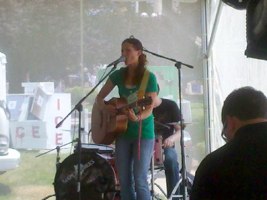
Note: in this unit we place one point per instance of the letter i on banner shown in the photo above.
(58, 104)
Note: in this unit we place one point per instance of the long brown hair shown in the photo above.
(142, 61)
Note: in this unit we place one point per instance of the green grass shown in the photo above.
(33, 179)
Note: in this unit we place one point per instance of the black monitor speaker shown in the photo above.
(257, 29)
(237, 4)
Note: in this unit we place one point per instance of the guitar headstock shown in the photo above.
(144, 102)
(141, 103)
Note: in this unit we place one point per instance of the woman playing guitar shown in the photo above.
(133, 148)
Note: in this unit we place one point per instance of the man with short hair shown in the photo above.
(166, 117)
(237, 170)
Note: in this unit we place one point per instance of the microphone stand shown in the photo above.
(79, 108)
(178, 65)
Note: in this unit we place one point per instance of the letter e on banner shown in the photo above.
(36, 132)
(58, 139)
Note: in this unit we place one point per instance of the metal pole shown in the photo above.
(207, 78)
(214, 29)
(81, 43)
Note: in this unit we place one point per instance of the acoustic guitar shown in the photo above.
(105, 127)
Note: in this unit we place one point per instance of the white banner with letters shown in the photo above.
(42, 134)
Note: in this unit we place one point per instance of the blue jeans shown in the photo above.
(171, 166)
(133, 172)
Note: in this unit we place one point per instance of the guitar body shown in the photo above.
(105, 128)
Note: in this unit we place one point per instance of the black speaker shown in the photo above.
(237, 4)
(257, 29)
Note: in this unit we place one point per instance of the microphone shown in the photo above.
(120, 59)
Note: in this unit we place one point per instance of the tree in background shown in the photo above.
(41, 38)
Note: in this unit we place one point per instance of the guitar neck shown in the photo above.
(140, 102)
(128, 106)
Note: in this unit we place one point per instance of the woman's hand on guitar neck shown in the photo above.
(132, 116)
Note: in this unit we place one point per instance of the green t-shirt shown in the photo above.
(131, 95)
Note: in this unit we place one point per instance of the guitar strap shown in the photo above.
(140, 95)
(142, 89)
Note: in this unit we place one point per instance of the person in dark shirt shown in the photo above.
(166, 118)
(237, 170)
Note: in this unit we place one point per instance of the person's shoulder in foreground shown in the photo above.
(237, 170)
